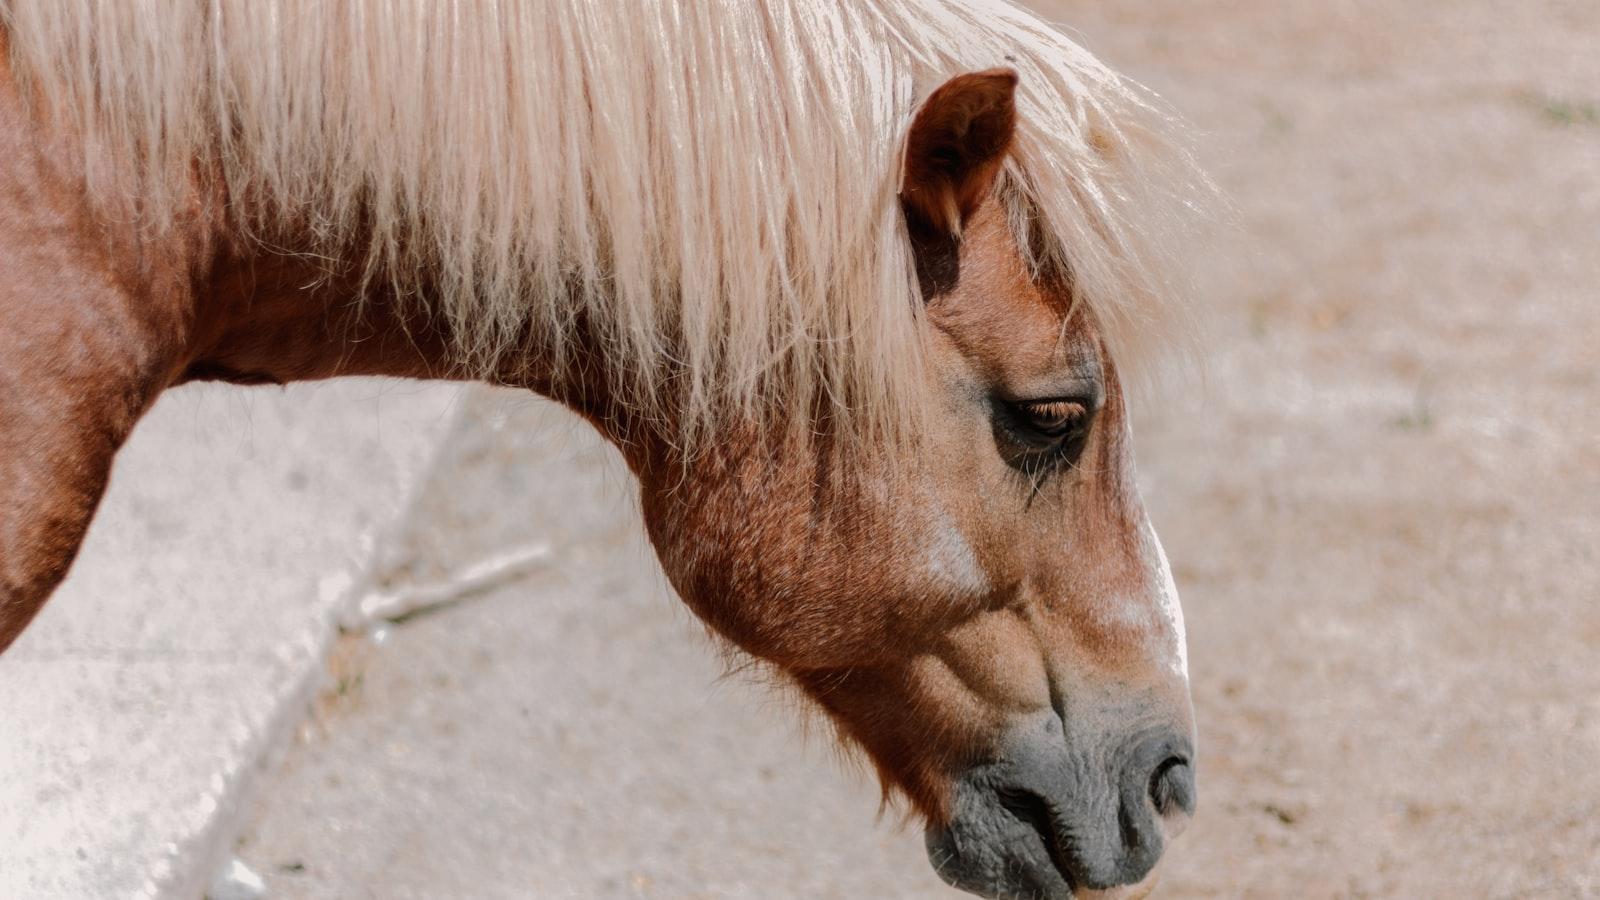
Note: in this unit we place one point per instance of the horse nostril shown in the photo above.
(1172, 786)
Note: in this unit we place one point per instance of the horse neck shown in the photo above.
(274, 317)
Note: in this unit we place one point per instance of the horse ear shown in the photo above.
(955, 147)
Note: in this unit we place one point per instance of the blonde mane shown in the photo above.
(709, 187)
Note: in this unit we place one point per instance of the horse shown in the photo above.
(857, 290)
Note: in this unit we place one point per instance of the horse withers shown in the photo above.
(849, 302)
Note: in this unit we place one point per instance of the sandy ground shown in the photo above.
(1380, 504)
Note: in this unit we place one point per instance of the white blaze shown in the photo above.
(1167, 600)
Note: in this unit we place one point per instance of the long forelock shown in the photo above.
(710, 187)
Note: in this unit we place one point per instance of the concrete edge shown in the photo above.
(211, 851)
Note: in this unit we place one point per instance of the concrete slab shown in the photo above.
(193, 626)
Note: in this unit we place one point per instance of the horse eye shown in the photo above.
(1055, 418)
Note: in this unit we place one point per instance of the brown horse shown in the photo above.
(849, 314)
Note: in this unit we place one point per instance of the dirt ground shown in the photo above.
(1380, 503)
(1383, 507)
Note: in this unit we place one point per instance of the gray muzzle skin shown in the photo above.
(1047, 818)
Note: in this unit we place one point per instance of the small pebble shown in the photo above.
(236, 881)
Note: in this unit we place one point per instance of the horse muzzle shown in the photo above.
(1046, 820)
